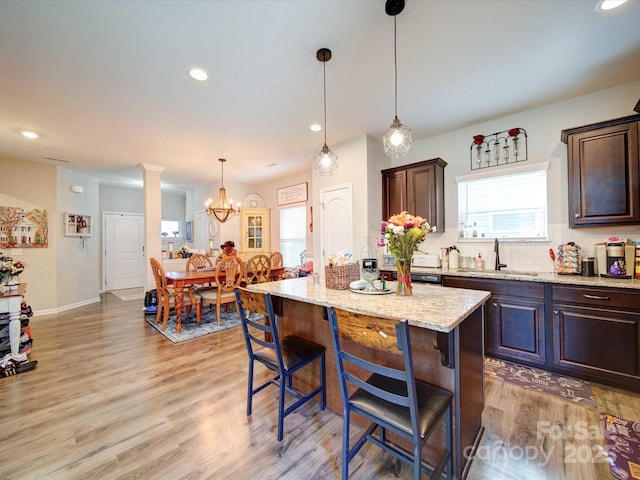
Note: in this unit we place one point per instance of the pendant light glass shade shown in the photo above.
(397, 138)
(223, 209)
(326, 161)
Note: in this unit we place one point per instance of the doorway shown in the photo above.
(336, 221)
(124, 255)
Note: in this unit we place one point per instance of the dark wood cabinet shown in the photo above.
(417, 188)
(603, 168)
(586, 332)
(515, 318)
(596, 334)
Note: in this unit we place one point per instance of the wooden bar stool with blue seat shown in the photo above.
(283, 356)
(391, 398)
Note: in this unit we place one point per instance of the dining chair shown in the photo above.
(199, 261)
(277, 261)
(390, 398)
(228, 275)
(258, 269)
(166, 294)
(283, 356)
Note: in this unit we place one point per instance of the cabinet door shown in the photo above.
(255, 230)
(600, 342)
(421, 192)
(394, 193)
(603, 176)
(515, 329)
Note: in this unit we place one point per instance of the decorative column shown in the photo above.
(152, 217)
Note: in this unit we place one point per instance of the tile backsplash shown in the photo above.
(530, 256)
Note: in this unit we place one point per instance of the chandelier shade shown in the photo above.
(223, 209)
(397, 138)
(326, 161)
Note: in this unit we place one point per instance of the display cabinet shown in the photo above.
(255, 232)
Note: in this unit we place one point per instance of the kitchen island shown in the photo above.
(446, 336)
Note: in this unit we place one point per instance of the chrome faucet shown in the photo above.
(496, 249)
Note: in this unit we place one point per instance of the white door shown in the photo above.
(336, 221)
(124, 258)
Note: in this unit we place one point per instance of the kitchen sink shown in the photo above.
(518, 272)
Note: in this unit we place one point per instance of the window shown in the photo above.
(510, 205)
(293, 234)
(170, 228)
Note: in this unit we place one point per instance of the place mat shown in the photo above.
(191, 329)
(567, 388)
(622, 444)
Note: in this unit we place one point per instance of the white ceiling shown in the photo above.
(105, 82)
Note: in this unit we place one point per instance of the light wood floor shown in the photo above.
(111, 398)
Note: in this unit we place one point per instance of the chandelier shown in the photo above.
(223, 209)
(397, 138)
(326, 161)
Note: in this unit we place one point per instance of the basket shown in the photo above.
(339, 277)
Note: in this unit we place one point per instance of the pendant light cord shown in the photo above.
(395, 64)
(324, 76)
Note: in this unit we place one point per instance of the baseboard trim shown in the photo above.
(52, 311)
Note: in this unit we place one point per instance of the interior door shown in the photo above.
(336, 221)
(124, 258)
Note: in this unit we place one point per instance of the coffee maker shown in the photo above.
(615, 258)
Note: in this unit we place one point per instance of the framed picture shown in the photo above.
(293, 194)
(188, 231)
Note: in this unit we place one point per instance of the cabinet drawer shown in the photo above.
(512, 288)
(627, 299)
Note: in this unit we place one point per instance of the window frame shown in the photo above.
(285, 254)
(462, 215)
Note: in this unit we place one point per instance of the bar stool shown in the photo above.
(392, 399)
(282, 357)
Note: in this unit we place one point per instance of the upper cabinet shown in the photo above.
(604, 163)
(255, 232)
(417, 188)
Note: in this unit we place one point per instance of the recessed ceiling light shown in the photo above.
(315, 127)
(198, 74)
(604, 5)
(28, 134)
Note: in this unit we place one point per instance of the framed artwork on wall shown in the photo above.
(22, 228)
(188, 231)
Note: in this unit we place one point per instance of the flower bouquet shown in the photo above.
(402, 234)
(9, 268)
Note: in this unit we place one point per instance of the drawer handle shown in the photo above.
(595, 297)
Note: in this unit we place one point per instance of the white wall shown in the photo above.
(543, 126)
(77, 258)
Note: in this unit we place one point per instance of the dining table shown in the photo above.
(183, 280)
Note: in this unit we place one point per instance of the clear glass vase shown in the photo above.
(403, 285)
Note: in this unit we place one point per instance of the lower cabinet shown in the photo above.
(515, 318)
(596, 334)
(515, 329)
(585, 332)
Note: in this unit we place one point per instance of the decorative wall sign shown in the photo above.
(500, 148)
(20, 228)
(292, 194)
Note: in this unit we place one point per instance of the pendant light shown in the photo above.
(223, 209)
(397, 138)
(326, 161)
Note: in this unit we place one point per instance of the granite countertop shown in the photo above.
(431, 306)
(543, 277)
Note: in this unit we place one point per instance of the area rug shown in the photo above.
(567, 388)
(191, 329)
(129, 293)
(622, 444)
